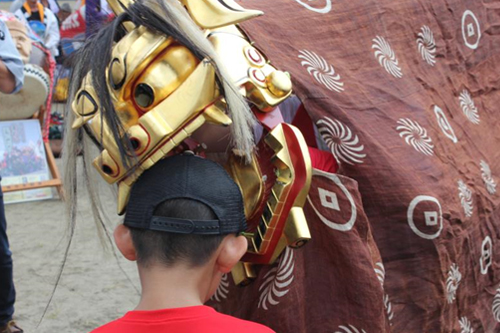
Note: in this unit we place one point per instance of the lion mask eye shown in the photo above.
(144, 95)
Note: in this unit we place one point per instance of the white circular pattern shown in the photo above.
(444, 124)
(380, 271)
(452, 282)
(468, 107)
(349, 329)
(496, 306)
(348, 225)
(342, 142)
(321, 70)
(427, 45)
(223, 289)
(415, 136)
(254, 56)
(491, 185)
(325, 6)
(386, 56)
(465, 325)
(277, 281)
(465, 195)
(433, 217)
(469, 31)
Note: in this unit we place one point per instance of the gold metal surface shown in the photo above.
(168, 72)
(157, 131)
(262, 84)
(248, 176)
(118, 6)
(279, 83)
(243, 274)
(210, 14)
(296, 230)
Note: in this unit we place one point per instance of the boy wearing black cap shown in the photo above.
(182, 225)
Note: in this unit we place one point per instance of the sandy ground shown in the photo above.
(94, 288)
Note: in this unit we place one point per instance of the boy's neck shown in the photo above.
(174, 287)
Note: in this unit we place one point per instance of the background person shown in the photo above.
(11, 80)
(19, 33)
(64, 12)
(43, 22)
(53, 5)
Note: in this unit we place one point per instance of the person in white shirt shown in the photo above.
(53, 5)
(43, 22)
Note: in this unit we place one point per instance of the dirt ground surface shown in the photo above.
(95, 287)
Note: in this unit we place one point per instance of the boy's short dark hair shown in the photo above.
(181, 209)
(169, 248)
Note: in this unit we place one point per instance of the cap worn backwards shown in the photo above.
(186, 177)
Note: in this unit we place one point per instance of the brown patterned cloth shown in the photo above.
(406, 96)
(323, 285)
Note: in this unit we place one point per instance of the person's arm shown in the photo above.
(7, 79)
(15, 5)
(54, 6)
(11, 65)
(52, 35)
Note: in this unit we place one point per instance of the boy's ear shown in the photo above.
(232, 249)
(123, 240)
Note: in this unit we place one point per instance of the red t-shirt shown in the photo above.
(193, 319)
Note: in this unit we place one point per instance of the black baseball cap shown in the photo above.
(186, 176)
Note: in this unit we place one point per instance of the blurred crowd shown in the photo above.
(54, 27)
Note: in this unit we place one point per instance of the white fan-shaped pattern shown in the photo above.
(491, 184)
(223, 289)
(465, 325)
(386, 57)
(321, 70)
(496, 306)
(349, 329)
(345, 145)
(380, 272)
(415, 136)
(468, 107)
(388, 308)
(277, 281)
(465, 196)
(427, 45)
(452, 282)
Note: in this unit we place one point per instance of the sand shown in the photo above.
(93, 289)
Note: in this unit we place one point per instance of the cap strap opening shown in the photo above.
(185, 226)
